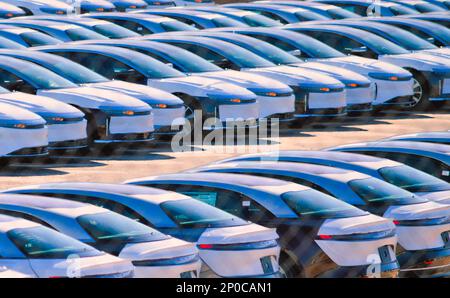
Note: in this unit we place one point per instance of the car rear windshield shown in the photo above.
(113, 226)
(34, 39)
(377, 191)
(227, 22)
(83, 34)
(114, 31)
(314, 203)
(412, 180)
(44, 243)
(190, 213)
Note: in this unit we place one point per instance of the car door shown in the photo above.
(13, 83)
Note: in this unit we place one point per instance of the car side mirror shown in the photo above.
(431, 40)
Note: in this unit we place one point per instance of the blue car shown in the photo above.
(142, 24)
(441, 3)
(391, 92)
(316, 94)
(421, 6)
(86, 6)
(398, 174)
(433, 159)
(432, 32)
(327, 10)
(431, 73)
(26, 37)
(248, 17)
(411, 214)
(102, 27)
(197, 19)
(441, 19)
(128, 5)
(63, 32)
(10, 11)
(301, 216)
(369, 8)
(228, 246)
(280, 13)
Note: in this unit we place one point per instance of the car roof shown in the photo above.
(134, 16)
(42, 24)
(333, 28)
(402, 144)
(272, 7)
(205, 41)
(188, 13)
(13, 63)
(428, 134)
(225, 34)
(288, 34)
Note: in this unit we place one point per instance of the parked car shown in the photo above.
(10, 11)
(27, 37)
(193, 2)
(360, 92)
(142, 24)
(86, 6)
(159, 3)
(276, 100)
(441, 19)
(153, 254)
(248, 17)
(38, 251)
(167, 109)
(196, 19)
(283, 14)
(364, 8)
(63, 32)
(429, 71)
(38, 7)
(315, 238)
(66, 125)
(228, 246)
(421, 6)
(441, 3)
(112, 117)
(316, 94)
(393, 84)
(215, 98)
(327, 10)
(433, 159)
(102, 27)
(22, 133)
(128, 5)
(422, 226)
(398, 174)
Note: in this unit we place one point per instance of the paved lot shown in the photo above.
(144, 162)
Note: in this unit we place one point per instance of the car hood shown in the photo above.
(355, 225)
(147, 94)
(418, 60)
(94, 98)
(163, 249)
(302, 77)
(41, 105)
(442, 197)
(369, 65)
(248, 80)
(237, 234)
(426, 210)
(340, 73)
(204, 86)
(14, 114)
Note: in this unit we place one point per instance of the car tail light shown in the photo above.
(205, 246)
(325, 237)
(424, 222)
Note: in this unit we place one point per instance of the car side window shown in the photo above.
(422, 35)
(187, 21)
(209, 55)
(360, 10)
(12, 82)
(27, 217)
(282, 45)
(133, 26)
(271, 15)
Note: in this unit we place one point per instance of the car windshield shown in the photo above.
(34, 39)
(244, 58)
(83, 34)
(315, 48)
(43, 243)
(226, 22)
(113, 226)
(43, 78)
(269, 52)
(309, 16)
(375, 190)
(153, 68)
(190, 213)
(190, 62)
(339, 13)
(316, 204)
(114, 31)
(256, 20)
(408, 40)
(380, 45)
(412, 180)
(176, 26)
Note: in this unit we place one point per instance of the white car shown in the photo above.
(153, 254)
(228, 246)
(38, 7)
(35, 250)
(22, 133)
(66, 124)
(112, 117)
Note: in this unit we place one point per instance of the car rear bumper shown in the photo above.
(425, 263)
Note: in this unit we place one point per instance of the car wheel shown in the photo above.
(420, 92)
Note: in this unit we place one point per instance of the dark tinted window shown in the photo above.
(133, 26)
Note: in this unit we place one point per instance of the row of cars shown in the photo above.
(105, 78)
(359, 210)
